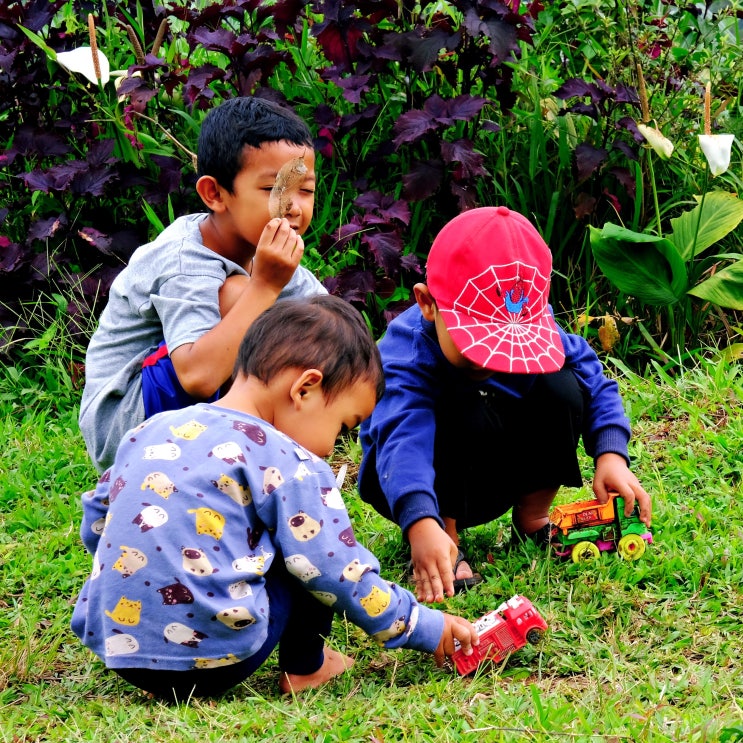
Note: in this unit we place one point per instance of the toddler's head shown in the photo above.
(324, 333)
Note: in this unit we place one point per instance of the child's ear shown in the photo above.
(210, 192)
(307, 384)
(425, 301)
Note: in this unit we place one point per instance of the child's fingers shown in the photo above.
(280, 233)
(428, 586)
(280, 244)
(446, 577)
(432, 570)
(271, 229)
(643, 502)
(466, 633)
(600, 491)
(288, 242)
(298, 249)
(455, 628)
(634, 494)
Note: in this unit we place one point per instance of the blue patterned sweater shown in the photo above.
(185, 526)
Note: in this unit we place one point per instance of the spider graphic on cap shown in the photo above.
(515, 298)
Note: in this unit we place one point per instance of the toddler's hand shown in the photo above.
(455, 628)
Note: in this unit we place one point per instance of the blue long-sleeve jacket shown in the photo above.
(399, 435)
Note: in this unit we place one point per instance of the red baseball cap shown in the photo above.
(489, 272)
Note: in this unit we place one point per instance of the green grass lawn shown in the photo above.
(645, 650)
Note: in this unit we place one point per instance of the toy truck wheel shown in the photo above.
(534, 636)
(631, 547)
(585, 552)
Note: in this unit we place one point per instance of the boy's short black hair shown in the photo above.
(323, 332)
(244, 122)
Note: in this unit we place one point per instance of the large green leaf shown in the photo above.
(645, 266)
(721, 213)
(725, 288)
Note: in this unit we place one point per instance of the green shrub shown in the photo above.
(419, 111)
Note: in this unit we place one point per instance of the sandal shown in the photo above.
(462, 584)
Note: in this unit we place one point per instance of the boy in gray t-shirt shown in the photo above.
(177, 313)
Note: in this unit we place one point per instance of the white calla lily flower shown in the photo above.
(662, 145)
(81, 60)
(717, 148)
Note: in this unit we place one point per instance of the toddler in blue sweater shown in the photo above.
(486, 400)
(219, 532)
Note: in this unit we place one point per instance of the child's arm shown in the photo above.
(203, 366)
(612, 473)
(232, 289)
(398, 438)
(312, 527)
(606, 427)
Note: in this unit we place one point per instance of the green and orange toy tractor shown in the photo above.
(586, 528)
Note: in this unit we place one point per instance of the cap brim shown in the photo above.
(514, 347)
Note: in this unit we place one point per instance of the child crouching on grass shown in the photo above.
(219, 532)
(486, 401)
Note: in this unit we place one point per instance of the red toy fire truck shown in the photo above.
(508, 628)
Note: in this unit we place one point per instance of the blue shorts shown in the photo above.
(161, 389)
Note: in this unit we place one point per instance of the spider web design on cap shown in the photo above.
(501, 320)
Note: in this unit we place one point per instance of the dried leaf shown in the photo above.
(583, 319)
(608, 333)
(288, 180)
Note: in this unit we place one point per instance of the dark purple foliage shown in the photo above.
(606, 155)
(401, 132)
(588, 159)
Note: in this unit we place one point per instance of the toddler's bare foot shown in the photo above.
(334, 664)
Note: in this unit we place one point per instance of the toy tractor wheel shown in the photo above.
(585, 552)
(534, 636)
(631, 547)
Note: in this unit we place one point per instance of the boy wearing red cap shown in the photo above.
(486, 400)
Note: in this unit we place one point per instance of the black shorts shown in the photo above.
(492, 448)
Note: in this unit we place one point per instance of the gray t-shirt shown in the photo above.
(168, 291)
